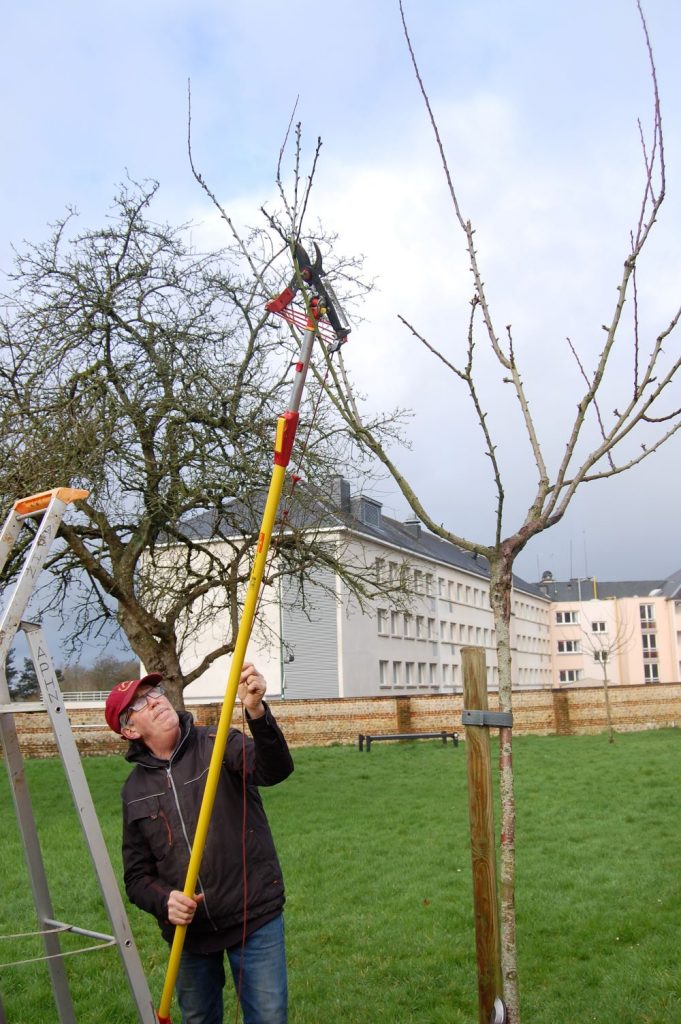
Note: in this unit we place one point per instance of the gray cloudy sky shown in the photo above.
(538, 106)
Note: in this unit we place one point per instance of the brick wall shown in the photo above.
(323, 722)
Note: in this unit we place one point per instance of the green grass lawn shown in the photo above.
(376, 857)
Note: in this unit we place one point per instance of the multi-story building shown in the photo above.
(630, 630)
(406, 643)
(327, 645)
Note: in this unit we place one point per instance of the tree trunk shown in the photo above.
(159, 655)
(501, 584)
(608, 712)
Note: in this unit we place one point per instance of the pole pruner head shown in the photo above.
(312, 274)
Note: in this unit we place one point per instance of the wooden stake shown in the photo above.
(483, 851)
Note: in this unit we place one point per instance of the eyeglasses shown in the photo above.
(139, 703)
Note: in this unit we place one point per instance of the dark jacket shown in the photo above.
(161, 802)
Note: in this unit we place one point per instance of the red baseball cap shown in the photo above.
(123, 695)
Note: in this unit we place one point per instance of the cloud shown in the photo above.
(536, 106)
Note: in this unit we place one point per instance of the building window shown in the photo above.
(431, 629)
(649, 642)
(382, 619)
(563, 618)
(570, 675)
(651, 672)
(433, 673)
(409, 668)
(598, 627)
(429, 585)
(441, 586)
(395, 623)
(647, 612)
(383, 673)
(418, 581)
(423, 679)
(397, 673)
(420, 627)
(568, 646)
(601, 656)
(379, 567)
(408, 625)
(445, 675)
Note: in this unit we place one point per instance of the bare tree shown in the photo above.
(644, 419)
(152, 377)
(603, 648)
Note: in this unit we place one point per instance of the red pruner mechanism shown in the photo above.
(322, 301)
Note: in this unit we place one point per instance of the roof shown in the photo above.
(313, 509)
(672, 586)
(588, 589)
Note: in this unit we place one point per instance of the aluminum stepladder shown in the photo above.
(50, 506)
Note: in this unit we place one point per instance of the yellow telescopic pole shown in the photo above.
(286, 430)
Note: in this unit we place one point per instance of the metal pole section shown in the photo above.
(481, 813)
(286, 429)
(89, 822)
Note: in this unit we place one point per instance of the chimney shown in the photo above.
(546, 580)
(340, 493)
(413, 526)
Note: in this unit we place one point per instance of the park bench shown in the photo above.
(365, 740)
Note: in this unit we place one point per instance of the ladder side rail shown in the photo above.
(33, 855)
(9, 535)
(35, 560)
(94, 838)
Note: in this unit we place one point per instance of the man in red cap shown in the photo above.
(238, 908)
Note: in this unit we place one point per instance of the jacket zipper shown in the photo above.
(171, 784)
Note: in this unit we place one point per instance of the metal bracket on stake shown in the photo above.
(497, 719)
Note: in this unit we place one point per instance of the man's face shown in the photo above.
(155, 722)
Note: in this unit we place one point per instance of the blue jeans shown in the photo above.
(262, 967)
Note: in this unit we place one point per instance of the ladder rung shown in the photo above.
(63, 926)
(18, 707)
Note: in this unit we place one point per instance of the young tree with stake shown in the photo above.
(647, 416)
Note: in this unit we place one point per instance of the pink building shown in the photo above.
(630, 630)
